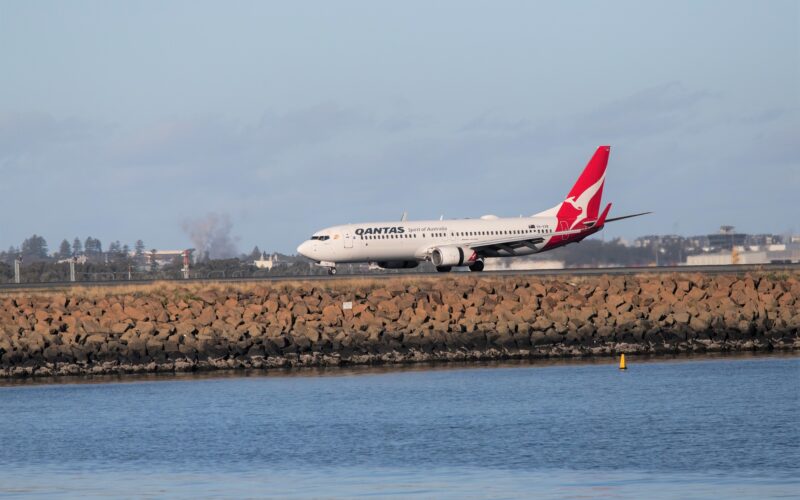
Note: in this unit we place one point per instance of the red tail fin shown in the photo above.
(583, 200)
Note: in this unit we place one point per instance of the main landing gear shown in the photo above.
(477, 266)
(331, 271)
(444, 269)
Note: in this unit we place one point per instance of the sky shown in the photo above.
(126, 120)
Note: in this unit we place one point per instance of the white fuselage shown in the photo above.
(467, 242)
(414, 240)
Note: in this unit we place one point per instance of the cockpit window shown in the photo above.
(321, 238)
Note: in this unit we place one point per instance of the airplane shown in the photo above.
(468, 242)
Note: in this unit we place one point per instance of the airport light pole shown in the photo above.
(186, 264)
(17, 263)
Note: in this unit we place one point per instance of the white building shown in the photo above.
(267, 263)
(520, 264)
(162, 257)
(752, 255)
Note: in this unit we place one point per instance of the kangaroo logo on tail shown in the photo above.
(583, 201)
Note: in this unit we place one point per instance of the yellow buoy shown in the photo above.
(622, 362)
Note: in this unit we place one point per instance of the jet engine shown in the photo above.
(398, 264)
(453, 256)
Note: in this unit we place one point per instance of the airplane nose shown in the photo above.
(304, 249)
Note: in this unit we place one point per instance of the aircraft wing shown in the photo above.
(510, 244)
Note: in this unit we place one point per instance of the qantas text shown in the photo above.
(381, 230)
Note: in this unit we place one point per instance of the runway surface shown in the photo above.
(613, 271)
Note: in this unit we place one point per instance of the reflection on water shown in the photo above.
(687, 427)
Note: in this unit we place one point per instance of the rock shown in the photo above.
(452, 318)
(206, 316)
(614, 301)
(121, 327)
(331, 315)
(389, 310)
(682, 317)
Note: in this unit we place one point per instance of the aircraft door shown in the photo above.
(563, 226)
(348, 240)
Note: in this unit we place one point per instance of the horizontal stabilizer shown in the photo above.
(627, 216)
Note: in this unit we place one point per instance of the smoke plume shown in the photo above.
(211, 236)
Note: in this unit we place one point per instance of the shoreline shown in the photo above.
(389, 368)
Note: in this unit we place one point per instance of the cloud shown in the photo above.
(24, 134)
(285, 174)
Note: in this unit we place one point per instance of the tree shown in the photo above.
(255, 254)
(115, 248)
(153, 263)
(93, 247)
(65, 250)
(34, 248)
(77, 247)
(138, 253)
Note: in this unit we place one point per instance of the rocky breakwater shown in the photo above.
(200, 327)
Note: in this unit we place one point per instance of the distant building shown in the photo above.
(726, 258)
(726, 239)
(520, 264)
(787, 254)
(770, 254)
(267, 263)
(661, 240)
(80, 259)
(162, 257)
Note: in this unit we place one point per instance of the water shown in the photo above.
(724, 428)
